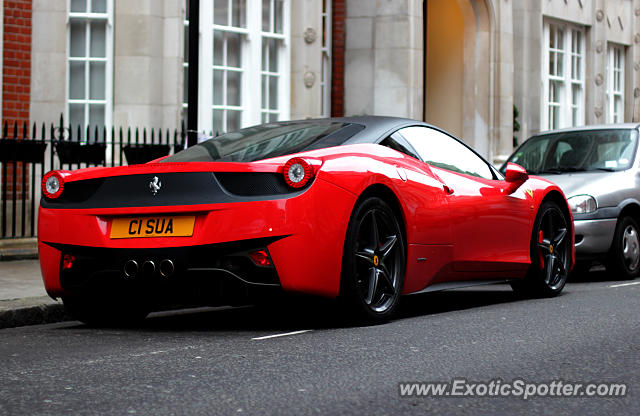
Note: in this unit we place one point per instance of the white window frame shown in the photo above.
(251, 94)
(271, 34)
(614, 93)
(572, 51)
(108, 60)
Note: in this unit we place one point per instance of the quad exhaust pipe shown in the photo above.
(148, 268)
(131, 269)
(166, 268)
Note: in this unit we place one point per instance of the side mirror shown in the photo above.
(515, 176)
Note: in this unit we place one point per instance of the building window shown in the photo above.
(615, 84)
(244, 63)
(229, 39)
(325, 81)
(90, 57)
(563, 76)
(577, 78)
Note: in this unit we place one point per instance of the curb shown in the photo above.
(18, 249)
(31, 311)
(17, 254)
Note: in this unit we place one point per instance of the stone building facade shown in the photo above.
(600, 77)
(124, 62)
(460, 64)
(465, 64)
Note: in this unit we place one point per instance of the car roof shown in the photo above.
(373, 121)
(376, 127)
(621, 126)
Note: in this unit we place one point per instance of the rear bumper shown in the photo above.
(304, 236)
(211, 274)
(594, 237)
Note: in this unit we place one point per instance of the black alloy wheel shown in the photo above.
(550, 253)
(374, 261)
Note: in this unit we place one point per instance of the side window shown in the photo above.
(569, 152)
(532, 156)
(397, 142)
(561, 154)
(443, 151)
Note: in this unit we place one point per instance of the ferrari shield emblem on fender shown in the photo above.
(529, 192)
(155, 185)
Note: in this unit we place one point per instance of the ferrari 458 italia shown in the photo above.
(362, 209)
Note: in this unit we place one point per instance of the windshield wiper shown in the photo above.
(559, 171)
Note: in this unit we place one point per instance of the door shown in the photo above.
(491, 229)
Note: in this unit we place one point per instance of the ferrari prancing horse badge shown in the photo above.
(155, 185)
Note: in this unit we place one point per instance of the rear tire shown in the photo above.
(550, 250)
(624, 257)
(103, 312)
(373, 263)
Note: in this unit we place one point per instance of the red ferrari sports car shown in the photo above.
(362, 209)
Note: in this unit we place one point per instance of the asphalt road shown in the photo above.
(217, 361)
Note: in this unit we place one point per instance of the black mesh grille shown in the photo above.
(254, 184)
(179, 188)
(79, 191)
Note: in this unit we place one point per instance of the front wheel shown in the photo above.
(373, 264)
(550, 253)
(624, 257)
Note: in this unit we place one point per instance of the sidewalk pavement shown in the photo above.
(23, 300)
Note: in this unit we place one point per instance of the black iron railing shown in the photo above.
(26, 156)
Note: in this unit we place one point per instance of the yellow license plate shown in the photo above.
(135, 227)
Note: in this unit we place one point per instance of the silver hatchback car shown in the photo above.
(598, 169)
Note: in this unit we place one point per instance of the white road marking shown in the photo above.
(286, 334)
(626, 284)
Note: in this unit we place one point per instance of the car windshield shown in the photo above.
(577, 151)
(268, 140)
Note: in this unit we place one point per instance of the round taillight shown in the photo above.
(52, 184)
(297, 172)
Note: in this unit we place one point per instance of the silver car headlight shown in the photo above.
(582, 204)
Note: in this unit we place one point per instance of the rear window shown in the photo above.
(268, 140)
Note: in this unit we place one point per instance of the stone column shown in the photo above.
(527, 54)
(632, 92)
(48, 61)
(596, 77)
(503, 68)
(306, 59)
(384, 58)
(148, 43)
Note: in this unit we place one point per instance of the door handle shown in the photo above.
(447, 190)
